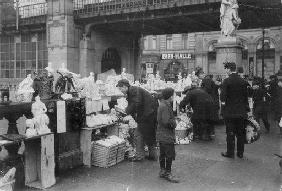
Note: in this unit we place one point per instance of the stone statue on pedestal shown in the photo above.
(40, 118)
(229, 19)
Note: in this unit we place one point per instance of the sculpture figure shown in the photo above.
(25, 89)
(31, 131)
(40, 119)
(229, 19)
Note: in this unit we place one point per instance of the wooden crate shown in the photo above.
(40, 162)
(103, 156)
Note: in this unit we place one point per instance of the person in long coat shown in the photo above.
(235, 106)
(277, 105)
(203, 108)
(143, 108)
(260, 98)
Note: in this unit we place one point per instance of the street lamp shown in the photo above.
(264, 31)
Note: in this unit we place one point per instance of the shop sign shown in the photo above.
(149, 68)
(178, 56)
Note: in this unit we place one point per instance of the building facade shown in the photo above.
(174, 53)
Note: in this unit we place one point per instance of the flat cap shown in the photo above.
(123, 82)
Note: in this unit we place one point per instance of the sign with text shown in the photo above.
(178, 56)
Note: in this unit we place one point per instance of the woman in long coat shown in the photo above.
(204, 111)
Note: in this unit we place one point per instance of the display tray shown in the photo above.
(100, 126)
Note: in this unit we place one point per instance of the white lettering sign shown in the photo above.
(178, 56)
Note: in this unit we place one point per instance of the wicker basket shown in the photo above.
(103, 156)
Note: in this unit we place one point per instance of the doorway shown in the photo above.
(111, 60)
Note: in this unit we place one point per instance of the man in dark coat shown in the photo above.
(278, 103)
(212, 89)
(143, 108)
(260, 97)
(235, 106)
(203, 111)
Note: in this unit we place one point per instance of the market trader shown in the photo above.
(234, 98)
(143, 108)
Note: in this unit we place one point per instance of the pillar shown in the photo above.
(61, 42)
(87, 55)
(228, 49)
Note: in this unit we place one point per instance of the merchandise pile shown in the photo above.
(183, 129)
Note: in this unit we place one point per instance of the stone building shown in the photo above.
(198, 50)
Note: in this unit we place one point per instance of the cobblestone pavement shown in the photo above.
(199, 166)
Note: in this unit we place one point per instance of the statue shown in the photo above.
(40, 119)
(229, 19)
(65, 82)
(31, 131)
(25, 90)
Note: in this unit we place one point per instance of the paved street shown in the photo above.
(199, 166)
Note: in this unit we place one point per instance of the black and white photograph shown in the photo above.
(141, 95)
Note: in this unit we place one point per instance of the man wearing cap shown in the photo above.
(235, 106)
(143, 108)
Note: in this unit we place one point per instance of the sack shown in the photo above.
(252, 129)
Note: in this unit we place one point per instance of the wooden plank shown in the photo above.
(85, 146)
(30, 166)
(47, 161)
(61, 119)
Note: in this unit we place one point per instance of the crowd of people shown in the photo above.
(209, 100)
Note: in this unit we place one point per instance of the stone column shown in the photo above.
(228, 49)
(61, 40)
(87, 56)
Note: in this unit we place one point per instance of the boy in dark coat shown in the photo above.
(166, 135)
(143, 108)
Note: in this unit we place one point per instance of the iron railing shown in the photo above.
(34, 10)
(96, 6)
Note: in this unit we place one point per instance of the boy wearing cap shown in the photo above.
(166, 135)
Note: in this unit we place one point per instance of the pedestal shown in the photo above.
(228, 49)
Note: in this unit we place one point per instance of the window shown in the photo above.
(169, 42)
(269, 58)
(185, 41)
(212, 59)
(146, 45)
(154, 42)
(22, 58)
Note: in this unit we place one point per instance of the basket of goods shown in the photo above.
(108, 152)
(252, 129)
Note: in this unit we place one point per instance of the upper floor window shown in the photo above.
(146, 44)
(169, 42)
(154, 42)
(185, 41)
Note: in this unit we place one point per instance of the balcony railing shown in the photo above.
(96, 6)
(33, 10)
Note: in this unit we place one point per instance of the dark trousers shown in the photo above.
(202, 127)
(235, 128)
(262, 115)
(167, 155)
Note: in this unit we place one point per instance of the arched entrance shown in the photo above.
(172, 71)
(111, 60)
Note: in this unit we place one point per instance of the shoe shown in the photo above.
(225, 154)
(240, 155)
(134, 159)
(171, 178)
(162, 173)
